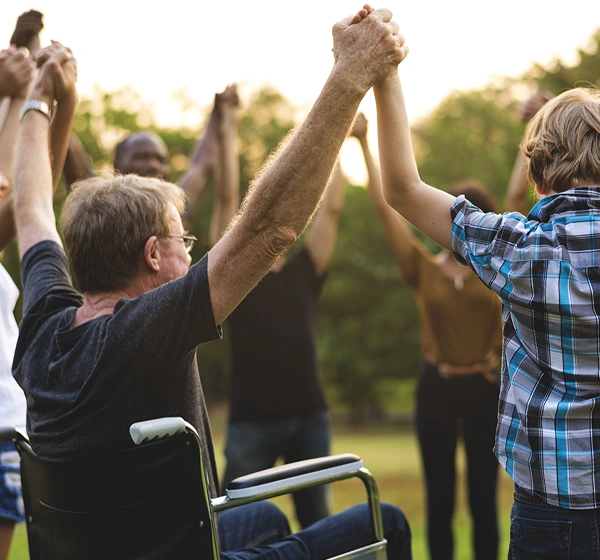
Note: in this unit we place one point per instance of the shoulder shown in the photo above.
(47, 283)
(481, 233)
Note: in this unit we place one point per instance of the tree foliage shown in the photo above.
(471, 135)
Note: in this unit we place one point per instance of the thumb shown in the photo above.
(383, 14)
(347, 21)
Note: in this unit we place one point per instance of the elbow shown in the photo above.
(392, 199)
(396, 198)
(274, 240)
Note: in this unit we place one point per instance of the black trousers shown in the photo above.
(446, 408)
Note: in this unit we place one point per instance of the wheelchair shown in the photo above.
(152, 500)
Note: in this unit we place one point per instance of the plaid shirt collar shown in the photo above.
(579, 199)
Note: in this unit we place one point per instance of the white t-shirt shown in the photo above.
(13, 407)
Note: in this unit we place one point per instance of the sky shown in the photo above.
(160, 48)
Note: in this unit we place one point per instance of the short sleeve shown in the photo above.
(176, 316)
(47, 285)
(484, 241)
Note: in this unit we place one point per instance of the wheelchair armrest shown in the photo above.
(300, 472)
(156, 429)
(8, 433)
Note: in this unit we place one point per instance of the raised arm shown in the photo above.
(282, 200)
(16, 72)
(517, 199)
(33, 172)
(204, 160)
(396, 229)
(425, 207)
(27, 31)
(227, 195)
(322, 233)
(78, 164)
(62, 117)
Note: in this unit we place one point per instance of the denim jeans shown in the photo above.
(11, 496)
(256, 531)
(539, 530)
(255, 446)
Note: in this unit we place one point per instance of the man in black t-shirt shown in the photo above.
(124, 349)
(277, 402)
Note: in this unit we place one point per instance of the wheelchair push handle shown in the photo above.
(156, 429)
(8, 433)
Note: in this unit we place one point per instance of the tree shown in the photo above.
(558, 77)
(470, 135)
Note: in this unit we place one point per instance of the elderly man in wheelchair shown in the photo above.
(120, 462)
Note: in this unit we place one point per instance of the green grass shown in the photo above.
(391, 454)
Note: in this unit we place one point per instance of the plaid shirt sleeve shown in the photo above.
(482, 240)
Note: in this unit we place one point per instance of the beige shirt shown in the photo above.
(461, 319)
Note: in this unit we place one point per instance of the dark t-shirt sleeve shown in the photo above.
(46, 279)
(171, 319)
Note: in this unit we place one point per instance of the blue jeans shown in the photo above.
(539, 530)
(11, 497)
(256, 531)
(255, 446)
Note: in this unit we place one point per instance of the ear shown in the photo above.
(541, 191)
(151, 253)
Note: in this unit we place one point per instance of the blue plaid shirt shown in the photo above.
(546, 270)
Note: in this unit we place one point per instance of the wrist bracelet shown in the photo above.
(35, 105)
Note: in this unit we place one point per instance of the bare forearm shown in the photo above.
(397, 231)
(334, 197)
(60, 134)
(78, 164)
(516, 195)
(374, 179)
(202, 159)
(398, 168)
(228, 196)
(289, 190)
(321, 237)
(8, 138)
(283, 199)
(7, 223)
(427, 208)
(33, 184)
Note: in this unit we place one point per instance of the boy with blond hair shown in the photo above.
(546, 270)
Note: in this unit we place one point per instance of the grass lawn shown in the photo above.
(391, 454)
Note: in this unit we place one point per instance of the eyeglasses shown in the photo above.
(188, 240)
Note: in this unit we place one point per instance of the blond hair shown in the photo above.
(562, 141)
(106, 221)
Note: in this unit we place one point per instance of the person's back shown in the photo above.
(545, 270)
(80, 403)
